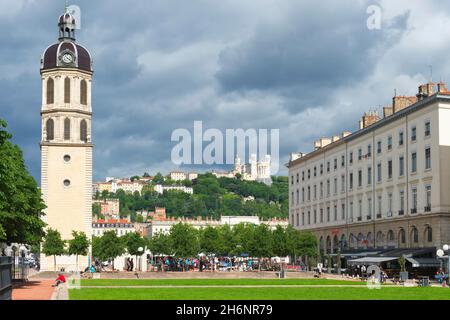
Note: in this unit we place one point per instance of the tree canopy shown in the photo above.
(21, 203)
(244, 239)
(53, 245)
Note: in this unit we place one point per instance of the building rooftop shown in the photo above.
(422, 102)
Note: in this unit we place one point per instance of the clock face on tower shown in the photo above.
(67, 58)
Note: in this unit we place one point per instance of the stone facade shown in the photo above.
(66, 148)
(367, 189)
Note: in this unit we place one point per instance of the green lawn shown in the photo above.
(322, 292)
(213, 282)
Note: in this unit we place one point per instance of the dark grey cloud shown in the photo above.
(297, 66)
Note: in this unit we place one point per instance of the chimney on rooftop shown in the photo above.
(368, 119)
(402, 102)
(322, 142)
(441, 87)
(387, 111)
(425, 90)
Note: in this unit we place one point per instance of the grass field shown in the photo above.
(213, 282)
(225, 289)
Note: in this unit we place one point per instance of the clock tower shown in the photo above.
(66, 147)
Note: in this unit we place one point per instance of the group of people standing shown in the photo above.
(130, 264)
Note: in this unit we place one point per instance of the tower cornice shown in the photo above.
(66, 144)
(65, 70)
(63, 110)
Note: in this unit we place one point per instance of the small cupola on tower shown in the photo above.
(67, 24)
(66, 53)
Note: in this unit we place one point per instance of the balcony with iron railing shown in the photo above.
(401, 212)
(378, 215)
(427, 209)
(413, 210)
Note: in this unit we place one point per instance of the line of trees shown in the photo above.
(244, 239)
(53, 245)
(184, 241)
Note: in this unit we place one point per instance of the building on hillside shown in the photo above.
(109, 207)
(130, 186)
(160, 189)
(223, 174)
(180, 176)
(113, 185)
(159, 213)
(121, 227)
(382, 187)
(253, 171)
(142, 228)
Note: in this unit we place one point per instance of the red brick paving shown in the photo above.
(34, 290)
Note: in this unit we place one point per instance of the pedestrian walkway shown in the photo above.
(33, 290)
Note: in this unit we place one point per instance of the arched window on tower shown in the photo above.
(50, 91)
(67, 90)
(83, 92)
(83, 131)
(50, 129)
(67, 129)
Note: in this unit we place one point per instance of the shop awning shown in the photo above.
(424, 262)
(370, 260)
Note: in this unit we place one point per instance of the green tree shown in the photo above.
(210, 240)
(227, 241)
(53, 245)
(21, 204)
(97, 211)
(79, 244)
(243, 234)
(133, 241)
(183, 240)
(108, 246)
(262, 242)
(159, 244)
(158, 178)
(280, 244)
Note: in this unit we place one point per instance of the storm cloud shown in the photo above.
(309, 69)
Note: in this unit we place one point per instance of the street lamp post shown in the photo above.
(140, 250)
(440, 253)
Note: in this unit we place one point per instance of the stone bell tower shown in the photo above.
(66, 147)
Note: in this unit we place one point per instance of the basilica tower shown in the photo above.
(66, 147)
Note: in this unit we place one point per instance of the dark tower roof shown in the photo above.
(80, 57)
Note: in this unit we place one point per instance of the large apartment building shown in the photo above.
(384, 186)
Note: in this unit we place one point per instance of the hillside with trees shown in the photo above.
(213, 197)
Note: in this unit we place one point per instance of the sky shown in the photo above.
(307, 68)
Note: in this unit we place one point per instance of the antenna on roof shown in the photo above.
(66, 8)
(431, 72)
(395, 92)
